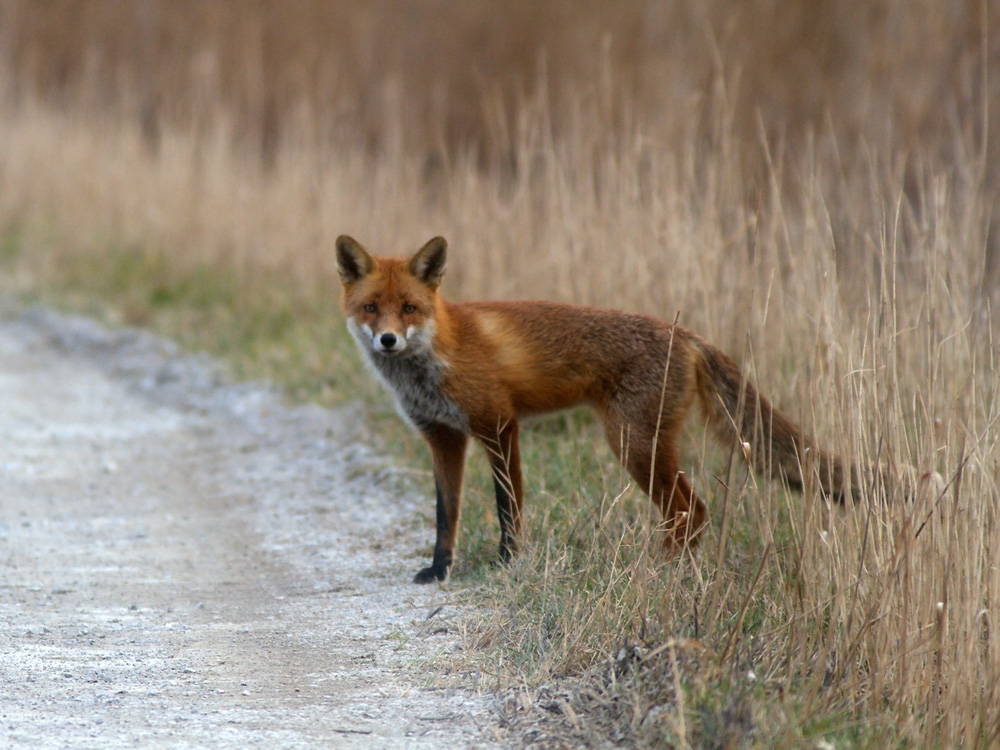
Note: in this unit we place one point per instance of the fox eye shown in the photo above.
(369, 308)
(409, 309)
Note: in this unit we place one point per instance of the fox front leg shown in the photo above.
(505, 462)
(448, 454)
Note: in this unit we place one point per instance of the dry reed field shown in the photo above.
(811, 186)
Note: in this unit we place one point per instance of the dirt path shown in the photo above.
(189, 564)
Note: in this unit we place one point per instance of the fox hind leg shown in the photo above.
(683, 513)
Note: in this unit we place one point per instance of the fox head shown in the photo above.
(389, 303)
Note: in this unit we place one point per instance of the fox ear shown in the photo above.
(429, 262)
(353, 261)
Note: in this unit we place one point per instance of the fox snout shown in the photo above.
(384, 342)
(389, 342)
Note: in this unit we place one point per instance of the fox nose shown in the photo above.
(388, 340)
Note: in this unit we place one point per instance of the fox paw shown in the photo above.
(431, 574)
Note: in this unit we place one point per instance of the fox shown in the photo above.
(473, 370)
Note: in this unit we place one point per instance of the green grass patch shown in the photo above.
(11, 246)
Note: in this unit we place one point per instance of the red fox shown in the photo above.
(474, 369)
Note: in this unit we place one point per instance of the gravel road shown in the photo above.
(187, 563)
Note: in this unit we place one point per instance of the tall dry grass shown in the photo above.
(457, 74)
(812, 187)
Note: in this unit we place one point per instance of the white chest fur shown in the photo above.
(414, 375)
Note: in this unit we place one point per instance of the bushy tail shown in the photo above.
(770, 441)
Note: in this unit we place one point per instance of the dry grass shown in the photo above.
(459, 74)
(819, 204)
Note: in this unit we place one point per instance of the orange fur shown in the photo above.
(475, 369)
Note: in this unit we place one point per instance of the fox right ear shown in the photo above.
(353, 261)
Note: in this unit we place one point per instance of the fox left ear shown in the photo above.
(429, 262)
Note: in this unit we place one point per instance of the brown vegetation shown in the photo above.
(457, 74)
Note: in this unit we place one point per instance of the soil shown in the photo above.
(186, 562)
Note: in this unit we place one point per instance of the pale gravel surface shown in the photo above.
(186, 563)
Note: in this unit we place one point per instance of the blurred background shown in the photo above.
(456, 74)
(717, 158)
(703, 145)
